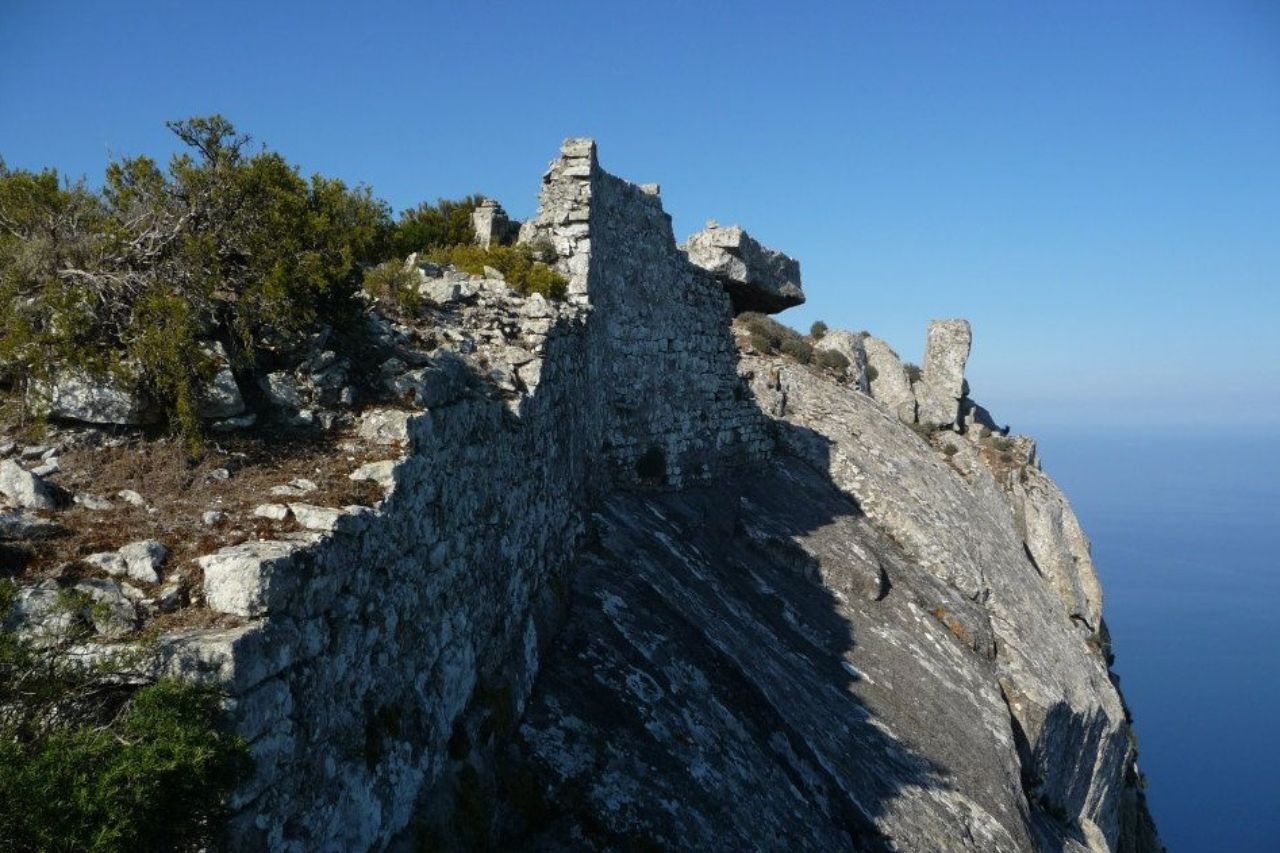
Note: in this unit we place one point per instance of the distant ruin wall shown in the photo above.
(382, 658)
(662, 357)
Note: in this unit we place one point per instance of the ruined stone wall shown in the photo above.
(382, 659)
(662, 360)
(366, 648)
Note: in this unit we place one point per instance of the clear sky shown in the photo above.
(1095, 185)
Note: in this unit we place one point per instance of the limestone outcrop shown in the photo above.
(757, 278)
(852, 347)
(888, 379)
(582, 575)
(941, 386)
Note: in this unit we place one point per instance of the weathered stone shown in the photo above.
(385, 426)
(45, 469)
(250, 579)
(961, 528)
(711, 618)
(17, 524)
(942, 383)
(93, 502)
(131, 497)
(144, 559)
(888, 379)
(382, 473)
(312, 517)
(274, 512)
(424, 387)
(849, 345)
(113, 615)
(282, 390)
(757, 278)
(213, 518)
(110, 562)
(96, 400)
(220, 397)
(1058, 544)
(24, 489)
(40, 614)
(294, 488)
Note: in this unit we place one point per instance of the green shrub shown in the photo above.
(872, 373)
(153, 778)
(950, 450)
(801, 351)
(89, 763)
(435, 226)
(817, 330)
(831, 360)
(768, 336)
(913, 372)
(223, 244)
(524, 266)
(395, 285)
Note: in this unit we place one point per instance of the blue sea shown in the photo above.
(1185, 528)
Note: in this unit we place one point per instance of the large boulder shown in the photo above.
(757, 278)
(942, 384)
(24, 489)
(79, 396)
(889, 382)
(221, 397)
(849, 345)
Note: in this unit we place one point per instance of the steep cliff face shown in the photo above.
(632, 582)
(849, 647)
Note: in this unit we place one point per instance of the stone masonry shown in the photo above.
(368, 646)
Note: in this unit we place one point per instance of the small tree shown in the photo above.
(817, 330)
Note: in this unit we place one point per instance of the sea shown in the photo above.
(1185, 525)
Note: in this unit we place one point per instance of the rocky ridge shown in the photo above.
(615, 578)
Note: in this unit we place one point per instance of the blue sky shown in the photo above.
(1095, 185)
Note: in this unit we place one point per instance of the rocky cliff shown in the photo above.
(631, 580)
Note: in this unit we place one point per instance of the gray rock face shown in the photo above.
(757, 278)
(942, 385)
(849, 345)
(734, 660)
(23, 488)
(95, 400)
(889, 383)
(1058, 545)
(960, 527)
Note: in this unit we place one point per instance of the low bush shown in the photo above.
(526, 267)
(831, 360)
(434, 226)
(817, 330)
(800, 350)
(768, 337)
(395, 285)
(914, 373)
(89, 763)
(872, 373)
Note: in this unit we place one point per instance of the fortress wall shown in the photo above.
(383, 659)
